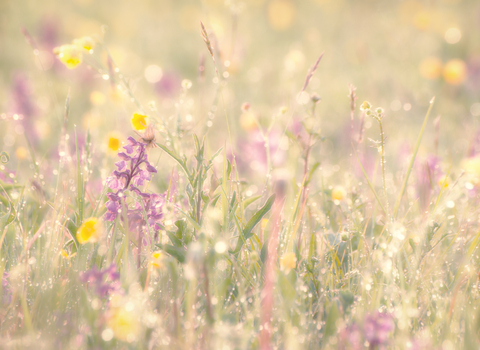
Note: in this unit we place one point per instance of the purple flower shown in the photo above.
(376, 330)
(7, 176)
(169, 85)
(421, 344)
(134, 171)
(23, 104)
(428, 173)
(104, 282)
(252, 152)
(22, 101)
(7, 293)
(350, 338)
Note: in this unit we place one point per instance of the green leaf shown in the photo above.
(234, 197)
(181, 229)
(310, 173)
(177, 252)
(286, 287)
(247, 231)
(205, 198)
(177, 159)
(312, 246)
(215, 155)
(174, 239)
(6, 186)
(229, 169)
(4, 201)
(9, 216)
(190, 220)
(264, 252)
(331, 323)
(246, 202)
(346, 298)
(72, 229)
(258, 216)
(215, 200)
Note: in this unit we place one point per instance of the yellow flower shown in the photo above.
(365, 106)
(248, 122)
(431, 68)
(21, 152)
(65, 254)
(139, 122)
(156, 260)
(69, 55)
(123, 321)
(90, 231)
(443, 181)
(114, 141)
(338, 193)
(85, 43)
(455, 72)
(97, 98)
(472, 167)
(263, 224)
(288, 261)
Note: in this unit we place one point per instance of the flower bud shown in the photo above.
(365, 106)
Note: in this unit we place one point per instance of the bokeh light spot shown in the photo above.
(153, 73)
(453, 35)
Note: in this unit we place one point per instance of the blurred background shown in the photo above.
(399, 54)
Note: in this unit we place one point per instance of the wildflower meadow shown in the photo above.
(240, 174)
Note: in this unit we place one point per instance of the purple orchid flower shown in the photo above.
(376, 330)
(104, 282)
(133, 171)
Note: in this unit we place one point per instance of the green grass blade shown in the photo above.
(80, 184)
(410, 166)
(247, 231)
(174, 156)
(370, 185)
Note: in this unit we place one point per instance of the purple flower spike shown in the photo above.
(377, 328)
(375, 331)
(151, 169)
(103, 282)
(7, 293)
(124, 156)
(121, 165)
(133, 171)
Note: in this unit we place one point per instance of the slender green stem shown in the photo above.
(382, 154)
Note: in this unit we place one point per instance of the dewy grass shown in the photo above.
(230, 235)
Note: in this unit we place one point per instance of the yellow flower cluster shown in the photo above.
(472, 168)
(157, 259)
(90, 231)
(338, 194)
(444, 181)
(124, 323)
(288, 262)
(71, 54)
